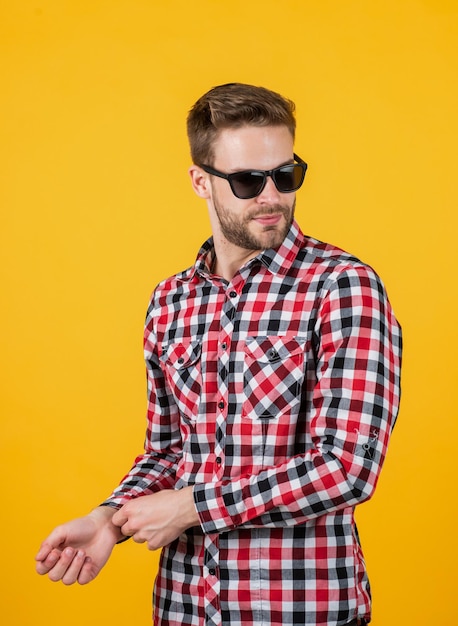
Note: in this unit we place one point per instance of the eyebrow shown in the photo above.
(257, 169)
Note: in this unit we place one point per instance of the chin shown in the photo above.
(271, 239)
(273, 236)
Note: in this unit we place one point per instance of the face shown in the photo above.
(261, 222)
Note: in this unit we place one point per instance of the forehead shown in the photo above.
(252, 147)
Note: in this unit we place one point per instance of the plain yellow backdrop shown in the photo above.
(96, 208)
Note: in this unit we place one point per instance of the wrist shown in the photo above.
(189, 511)
(102, 516)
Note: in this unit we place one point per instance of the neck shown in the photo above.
(229, 259)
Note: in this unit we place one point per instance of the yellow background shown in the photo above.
(96, 208)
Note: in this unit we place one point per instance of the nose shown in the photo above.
(270, 194)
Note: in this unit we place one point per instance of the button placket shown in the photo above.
(212, 581)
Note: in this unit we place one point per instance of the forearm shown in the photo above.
(149, 474)
(304, 488)
(340, 470)
(155, 469)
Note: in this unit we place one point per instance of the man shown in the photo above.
(273, 386)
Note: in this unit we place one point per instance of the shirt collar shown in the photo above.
(279, 260)
(276, 260)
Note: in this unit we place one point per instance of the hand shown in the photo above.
(77, 551)
(158, 519)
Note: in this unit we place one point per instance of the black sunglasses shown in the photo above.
(250, 183)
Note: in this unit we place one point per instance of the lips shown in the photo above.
(268, 220)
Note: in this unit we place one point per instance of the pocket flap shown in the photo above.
(273, 348)
(181, 355)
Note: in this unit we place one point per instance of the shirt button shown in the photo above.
(232, 294)
(218, 460)
(212, 571)
(224, 346)
(221, 405)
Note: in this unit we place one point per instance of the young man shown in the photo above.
(273, 386)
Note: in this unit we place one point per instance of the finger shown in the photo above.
(61, 566)
(119, 518)
(127, 531)
(138, 538)
(87, 573)
(43, 552)
(48, 562)
(74, 569)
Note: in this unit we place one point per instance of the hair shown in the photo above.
(232, 106)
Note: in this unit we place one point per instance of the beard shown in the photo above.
(237, 229)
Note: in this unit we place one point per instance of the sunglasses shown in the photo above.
(250, 183)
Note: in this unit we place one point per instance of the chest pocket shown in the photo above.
(182, 367)
(273, 376)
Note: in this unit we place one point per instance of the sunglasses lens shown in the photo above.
(247, 184)
(289, 178)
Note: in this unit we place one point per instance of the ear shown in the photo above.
(200, 181)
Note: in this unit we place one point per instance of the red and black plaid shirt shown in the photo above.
(275, 396)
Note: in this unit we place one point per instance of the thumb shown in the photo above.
(55, 539)
(43, 552)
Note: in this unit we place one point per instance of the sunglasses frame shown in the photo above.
(265, 173)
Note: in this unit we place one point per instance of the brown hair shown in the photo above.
(231, 106)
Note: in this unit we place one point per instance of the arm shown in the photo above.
(77, 550)
(154, 470)
(353, 407)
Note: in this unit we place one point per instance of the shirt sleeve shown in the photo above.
(352, 409)
(156, 468)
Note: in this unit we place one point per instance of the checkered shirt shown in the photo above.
(275, 396)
